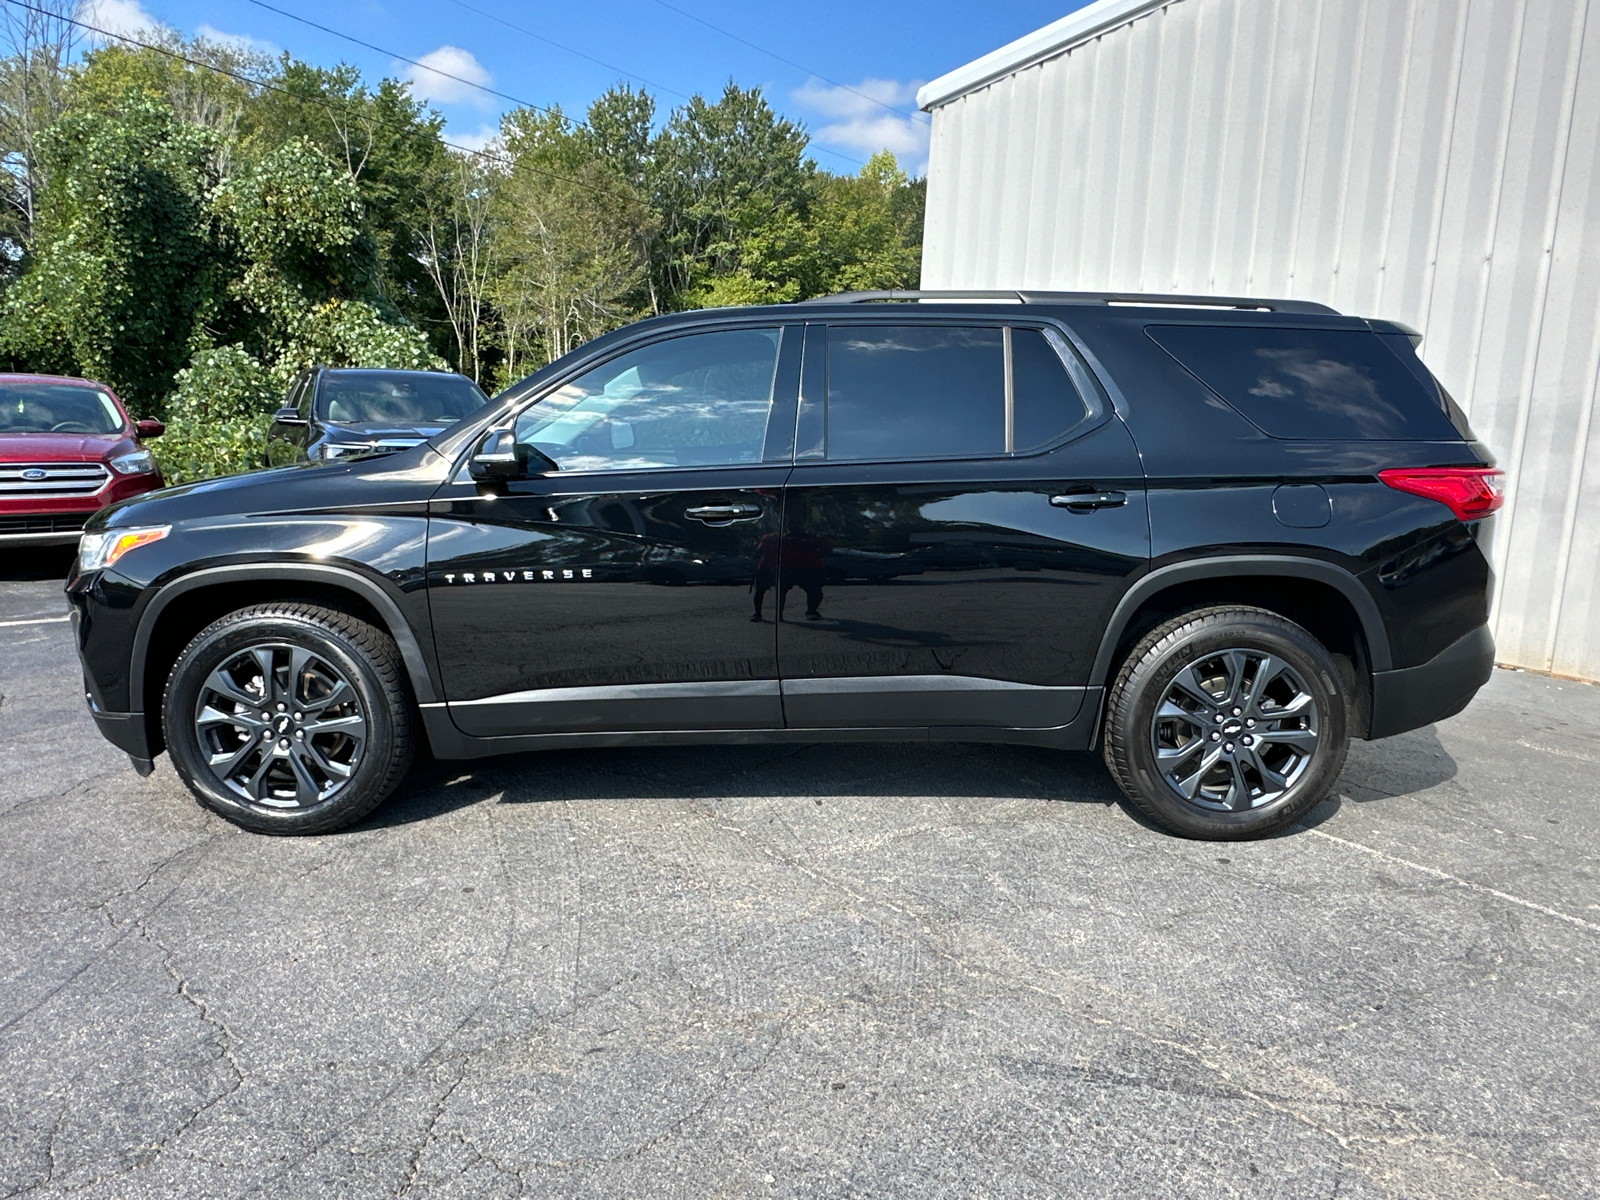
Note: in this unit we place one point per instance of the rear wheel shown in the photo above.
(289, 718)
(1226, 723)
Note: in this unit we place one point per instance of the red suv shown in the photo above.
(67, 449)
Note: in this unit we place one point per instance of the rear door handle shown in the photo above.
(723, 514)
(1088, 501)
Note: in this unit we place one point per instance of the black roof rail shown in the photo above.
(1026, 296)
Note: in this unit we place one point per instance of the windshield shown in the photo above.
(397, 397)
(56, 408)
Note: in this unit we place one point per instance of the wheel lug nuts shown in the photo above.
(1236, 711)
(281, 707)
(1217, 718)
(1248, 740)
(299, 733)
(284, 744)
(1250, 723)
(1228, 747)
(266, 716)
(1215, 736)
(297, 716)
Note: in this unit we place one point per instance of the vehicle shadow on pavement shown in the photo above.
(1393, 769)
(28, 563)
(807, 771)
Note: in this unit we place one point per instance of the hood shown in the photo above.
(60, 447)
(378, 431)
(409, 476)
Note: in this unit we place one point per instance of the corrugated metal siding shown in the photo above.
(1430, 161)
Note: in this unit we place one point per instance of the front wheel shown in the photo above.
(289, 718)
(1226, 723)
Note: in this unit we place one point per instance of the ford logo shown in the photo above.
(33, 474)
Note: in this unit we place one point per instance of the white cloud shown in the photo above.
(477, 139)
(242, 42)
(117, 16)
(432, 80)
(858, 120)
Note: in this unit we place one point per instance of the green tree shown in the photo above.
(124, 263)
(199, 80)
(38, 43)
(572, 241)
(460, 254)
(865, 230)
(731, 187)
(391, 148)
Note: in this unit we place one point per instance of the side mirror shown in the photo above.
(499, 458)
(288, 416)
(496, 458)
(148, 428)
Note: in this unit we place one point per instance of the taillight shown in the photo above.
(1472, 493)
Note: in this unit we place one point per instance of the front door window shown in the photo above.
(695, 401)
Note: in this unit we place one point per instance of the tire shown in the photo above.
(1204, 746)
(313, 750)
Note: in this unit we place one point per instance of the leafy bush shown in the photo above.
(353, 333)
(217, 416)
(218, 413)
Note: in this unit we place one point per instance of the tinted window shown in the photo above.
(1324, 385)
(56, 407)
(1045, 404)
(1406, 353)
(401, 397)
(915, 391)
(909, 391)
(700, 400)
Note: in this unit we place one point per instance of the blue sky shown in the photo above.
(882, 49)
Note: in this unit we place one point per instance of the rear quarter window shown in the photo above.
(1310, 384)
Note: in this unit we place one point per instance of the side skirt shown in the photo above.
(448, 742)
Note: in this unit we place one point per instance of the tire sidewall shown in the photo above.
(223, 641)
(1148, 682)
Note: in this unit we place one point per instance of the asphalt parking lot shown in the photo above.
(799, 971)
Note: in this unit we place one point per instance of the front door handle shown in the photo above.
(1089, 501)
(723, 514)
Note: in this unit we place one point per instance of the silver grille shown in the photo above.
(52, 479)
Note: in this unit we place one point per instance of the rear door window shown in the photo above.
(1309, 384)
(897, 392)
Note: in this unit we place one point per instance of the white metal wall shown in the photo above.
(1431, 161)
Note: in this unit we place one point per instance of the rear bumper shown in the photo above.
(1439, 688)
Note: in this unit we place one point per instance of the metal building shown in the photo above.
(1435, 162)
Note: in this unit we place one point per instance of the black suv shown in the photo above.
(1216, 538)
(335, 412)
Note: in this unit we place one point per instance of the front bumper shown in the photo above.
(126, 732)
(1441, 687)
(44, 529)
(59, 520)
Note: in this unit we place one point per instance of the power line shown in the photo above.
(660, 87)
(787, 62)
(481, 87)
(344, 110)
(517, 100)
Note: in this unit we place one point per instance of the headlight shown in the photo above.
(343, 449)
(138, 463)
(97, 551)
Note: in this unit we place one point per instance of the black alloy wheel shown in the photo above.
(289, 718)
(280, 727)
(1226, 723)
